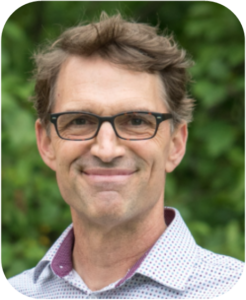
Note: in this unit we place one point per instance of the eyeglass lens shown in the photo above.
(128, 126)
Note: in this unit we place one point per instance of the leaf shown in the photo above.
(219, 138)
(209, 93)
(21, 129)
(13, 31)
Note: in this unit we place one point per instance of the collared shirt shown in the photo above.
(175, 267)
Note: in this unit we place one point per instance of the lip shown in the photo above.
(108, 175)
(108, 172)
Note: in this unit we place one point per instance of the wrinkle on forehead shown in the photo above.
(100, 83)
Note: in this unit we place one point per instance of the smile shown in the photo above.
(108, 175)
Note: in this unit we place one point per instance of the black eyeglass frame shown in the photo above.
(160, 117)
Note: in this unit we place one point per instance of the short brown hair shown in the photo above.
(134, 45)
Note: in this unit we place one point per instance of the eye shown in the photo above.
(83, 120)
(136, 121)
(79, 121)
(139, 120)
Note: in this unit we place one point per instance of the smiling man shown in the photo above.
(113, 115)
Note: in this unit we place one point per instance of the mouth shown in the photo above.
(108, 175)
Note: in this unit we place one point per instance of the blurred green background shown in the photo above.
(208, 186)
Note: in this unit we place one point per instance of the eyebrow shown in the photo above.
(78, 110)
(93, 111)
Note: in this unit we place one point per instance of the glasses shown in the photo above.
(132, 126)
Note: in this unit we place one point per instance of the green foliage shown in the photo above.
(208, 186)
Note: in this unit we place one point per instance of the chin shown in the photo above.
(109, 211)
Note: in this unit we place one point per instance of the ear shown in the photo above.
(45, 146)
(177, 147)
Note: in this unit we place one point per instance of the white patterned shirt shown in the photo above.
(175, 267)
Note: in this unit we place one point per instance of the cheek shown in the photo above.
(152, 178)
(69, 151)
(162, 143)
(66, 155)
(154, 154)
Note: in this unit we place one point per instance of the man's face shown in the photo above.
(108, 180)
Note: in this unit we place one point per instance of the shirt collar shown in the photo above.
(59, 255)
(171, 260)
(161, 263)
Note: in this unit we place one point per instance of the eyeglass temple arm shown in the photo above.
(163, 117)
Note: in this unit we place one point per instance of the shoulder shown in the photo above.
(215, 273)
(211, 259)
(41, 282)
(23, 282)
(34, 283)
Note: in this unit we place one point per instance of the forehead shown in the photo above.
(96, 85)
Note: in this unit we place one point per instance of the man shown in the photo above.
(113, 115)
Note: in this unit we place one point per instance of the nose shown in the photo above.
(106, 145)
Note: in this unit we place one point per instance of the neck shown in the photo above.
(104, 255)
